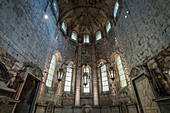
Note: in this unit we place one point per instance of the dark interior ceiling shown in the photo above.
(86, 16)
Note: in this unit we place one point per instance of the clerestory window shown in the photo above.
(108, 26)
(86, 39)
(116, 9)
(64, 26)
(98, 36)
(74, 35)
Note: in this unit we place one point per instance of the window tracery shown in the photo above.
(108, 26)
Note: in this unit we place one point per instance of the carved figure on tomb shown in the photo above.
(86, 109)
(14, 73)
(160, 83)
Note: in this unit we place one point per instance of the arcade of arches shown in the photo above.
(84, 56)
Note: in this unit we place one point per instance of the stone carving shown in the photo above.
(86, 109)
(139, 69)
(3, 73)
(14, 73)
(160, 83)
(145, 95)
(34, 69)
(50, 107)
(2, 53)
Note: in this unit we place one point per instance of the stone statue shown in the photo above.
(160, 83)
(14, 73)
(86, 109)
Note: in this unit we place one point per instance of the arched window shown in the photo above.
(104, 78)
(51, 71)
(68, 78)
(74, 35)
(116, 9)
(86, 89)
(64, 26)
(98, 35)
(55, 9)
(108, 26)
(86, 39)
(121, 72)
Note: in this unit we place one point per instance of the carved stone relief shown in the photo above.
(87, 109)
(4, 76)
(14, 73)
(145, 95)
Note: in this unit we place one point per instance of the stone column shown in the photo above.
(78, 77)
(95, 85)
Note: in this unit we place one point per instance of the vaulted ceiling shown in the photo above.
(86, 16)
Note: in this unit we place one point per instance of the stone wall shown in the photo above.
(26, 36)
(144, 33)
(24, 32)
(137, 39)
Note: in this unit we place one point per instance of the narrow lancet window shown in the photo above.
(98, 36)
(51, 71)
(74, 36)
(105, 85)
(121, 72)
(68, 79)
(116, 9)
(86, 89)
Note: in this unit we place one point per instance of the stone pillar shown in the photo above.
(95, 85)
(78, 77)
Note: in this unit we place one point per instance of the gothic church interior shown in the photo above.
(84, 56)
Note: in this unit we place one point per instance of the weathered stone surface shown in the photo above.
(25, 36)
